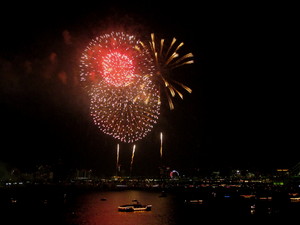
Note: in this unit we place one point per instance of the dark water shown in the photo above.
(56, 206)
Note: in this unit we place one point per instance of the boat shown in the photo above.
(134, 207)
(193, 201)
(295, 199)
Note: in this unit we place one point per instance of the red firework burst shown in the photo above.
(118, 69)
(114, 58)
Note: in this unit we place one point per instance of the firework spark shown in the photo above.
(166, 58)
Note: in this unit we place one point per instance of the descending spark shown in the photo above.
(132, 157)
(117, 163)
(161, 148)
(167, 59)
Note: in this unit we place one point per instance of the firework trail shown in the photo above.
(117, 162)
(132, 157)
(161, 142)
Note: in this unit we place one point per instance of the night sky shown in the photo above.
(242, 112)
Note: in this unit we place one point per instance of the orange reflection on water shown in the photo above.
(90, 209)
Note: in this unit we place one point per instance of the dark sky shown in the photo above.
(242, 112)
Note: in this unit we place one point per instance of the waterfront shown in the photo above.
(80, 206)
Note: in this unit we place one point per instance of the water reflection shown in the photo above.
(56, 206)
(89, 209)
(174, 208)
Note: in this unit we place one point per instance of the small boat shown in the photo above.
(248, 196)
(134, 207)
(295, 199)
(194, 201)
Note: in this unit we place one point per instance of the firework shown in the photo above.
(117, 74)
(127, 113)
(166, 58)
(114, 58)
(121, 75)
